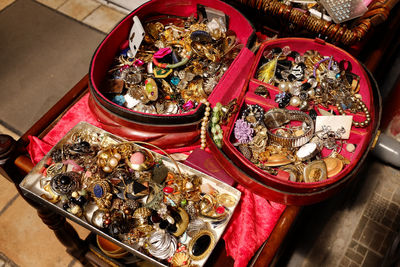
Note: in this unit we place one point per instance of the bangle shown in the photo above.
(278, 117)
(176, 65)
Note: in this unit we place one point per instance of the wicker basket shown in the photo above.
(346, 34)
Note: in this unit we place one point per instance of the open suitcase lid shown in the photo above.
(110, 47)
(279, 187)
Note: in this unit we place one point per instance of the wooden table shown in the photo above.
(15, 164)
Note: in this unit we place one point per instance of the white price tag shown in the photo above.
(136, 36)
(335, 123)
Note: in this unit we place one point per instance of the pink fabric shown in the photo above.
(37, 149)
(251, 224)
(77, 113)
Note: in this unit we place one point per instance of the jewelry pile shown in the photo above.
(290, 127)
(137, 196)
(308, 80)
(176, 67)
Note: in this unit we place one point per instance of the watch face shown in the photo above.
(307, 151)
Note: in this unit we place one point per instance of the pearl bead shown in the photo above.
(170, 220)
(207, 113)
(107, 169)
(304, 105)
(295, 101)
(189, 185)
(311, 92)
(350, 148)
(113, 162)
(117, 156)
(290, 86)
(203, 124)
(283, 86)
(103, 156)
(208, 109)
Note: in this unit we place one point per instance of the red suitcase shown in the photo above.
(160, 129)
(278, 187)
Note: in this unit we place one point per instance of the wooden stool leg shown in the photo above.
(65, 233)
(63, 230)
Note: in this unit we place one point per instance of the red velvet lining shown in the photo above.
(359, 136)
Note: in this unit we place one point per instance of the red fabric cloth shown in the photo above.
(250, 226)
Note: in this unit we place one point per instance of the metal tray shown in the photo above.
(31, 187)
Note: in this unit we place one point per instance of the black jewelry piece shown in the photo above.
(254, 114)
(65, 183)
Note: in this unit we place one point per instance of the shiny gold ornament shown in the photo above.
(294, 174)
(333, 166)
(201, 245)
(277, 160)
(226, 200)
(180, 259)
(54, 197)
(267, 71)
(315, 171)
(151, 89)
(183, 223)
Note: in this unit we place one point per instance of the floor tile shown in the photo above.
(124, 5)
(54, 53)
(78, 9)
(7, 192)
(104, 19)
(52, 3)
(4, 130)
(5, 3)
(32, 241)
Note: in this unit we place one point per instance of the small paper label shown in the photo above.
(136, 36)
(338, 124)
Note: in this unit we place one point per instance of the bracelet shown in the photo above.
(176, 65)
(363, 108)
(278, 117)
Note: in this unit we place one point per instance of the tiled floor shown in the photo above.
(362, 230)
(90, 12)
(24, 239)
